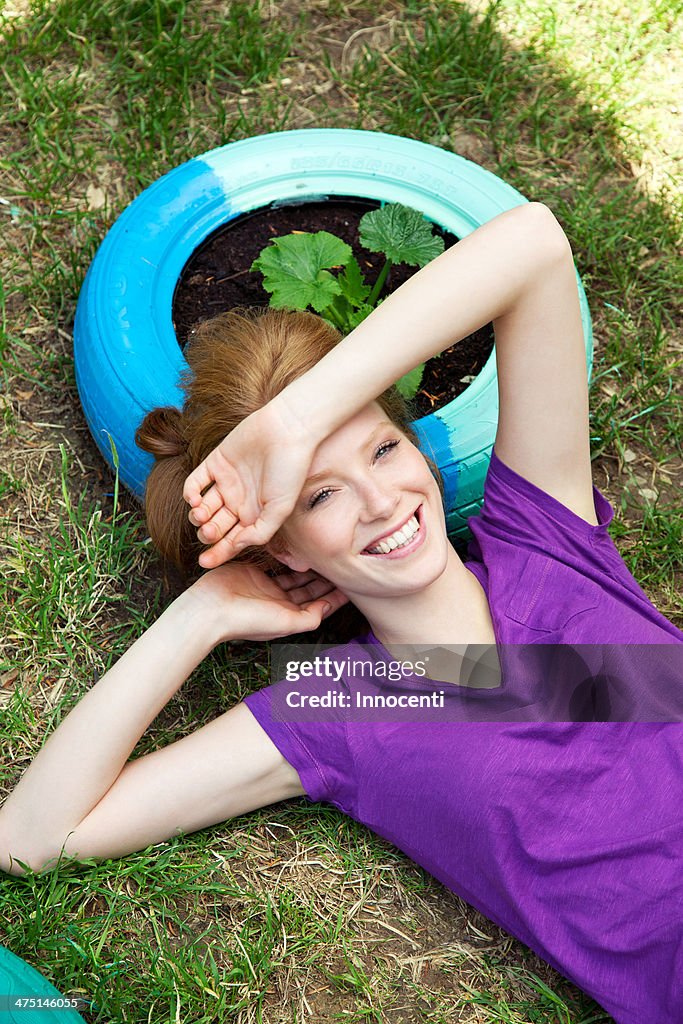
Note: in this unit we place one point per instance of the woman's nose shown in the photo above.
(378, 502)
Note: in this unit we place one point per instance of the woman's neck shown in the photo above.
(451, 610)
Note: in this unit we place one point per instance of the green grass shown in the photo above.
(295, 913)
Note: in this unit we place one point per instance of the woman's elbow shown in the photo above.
(16, 860)
(18, 856)
(543, 224)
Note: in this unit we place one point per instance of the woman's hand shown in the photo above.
(253, 477)
(246, 604)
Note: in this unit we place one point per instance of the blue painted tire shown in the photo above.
(20, 981)
(127, 357)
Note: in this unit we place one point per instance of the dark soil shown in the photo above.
(217, 278)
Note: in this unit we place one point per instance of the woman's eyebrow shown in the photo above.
(379, 429)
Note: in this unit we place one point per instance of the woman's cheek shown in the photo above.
(332, 545)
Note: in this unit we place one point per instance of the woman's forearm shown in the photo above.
(87, 752)
(474, 282)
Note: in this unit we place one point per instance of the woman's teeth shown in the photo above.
(398, 539)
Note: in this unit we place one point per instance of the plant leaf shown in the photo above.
(294, 269)
(409, 383)
(351, 282)
(402, 234)
(358, 316)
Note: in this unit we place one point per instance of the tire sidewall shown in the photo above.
(127, 357)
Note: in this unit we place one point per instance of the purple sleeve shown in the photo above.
(514, 504)
(318, 750)
(552, 577)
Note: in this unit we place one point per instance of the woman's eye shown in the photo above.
(385, 447)
(323, 494)
(319, 496)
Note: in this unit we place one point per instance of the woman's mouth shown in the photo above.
(403, 541)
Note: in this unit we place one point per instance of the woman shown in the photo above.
(566, 833)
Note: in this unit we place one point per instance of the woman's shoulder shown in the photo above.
(519, 520)
(550, 575)
(514, 502)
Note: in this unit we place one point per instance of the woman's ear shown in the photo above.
(277, 550)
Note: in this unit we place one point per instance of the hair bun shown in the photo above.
(161, 433)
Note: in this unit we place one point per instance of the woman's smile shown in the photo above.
(401, 542)
(370, 496)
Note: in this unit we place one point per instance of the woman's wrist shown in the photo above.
(325, 405)
(199, 606)
(291, 413)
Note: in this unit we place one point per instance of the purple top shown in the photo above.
(552, 577)
(567, 834)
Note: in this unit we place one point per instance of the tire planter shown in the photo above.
(127, 357)
(20, 981)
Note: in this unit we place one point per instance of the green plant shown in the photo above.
(296, 269)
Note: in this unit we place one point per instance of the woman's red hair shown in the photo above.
(238, 362)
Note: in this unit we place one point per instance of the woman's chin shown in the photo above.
(418, 577)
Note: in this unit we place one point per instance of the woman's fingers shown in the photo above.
(321, 609)
(336, 599)
(238, 527)
(310, 591)
(225, 549)
(210, 504)
(238, 538)
(291, 580)
(218, 526)
(223, 486)
(243, 536)
(198, 480)
(243, 491)
(268, 521)
(305, 588)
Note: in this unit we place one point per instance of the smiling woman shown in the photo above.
(369, 517)
(549, 801)
(238, 362)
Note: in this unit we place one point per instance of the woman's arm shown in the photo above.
(480, 279)
(80, 795)
(85, 755)
(516, 270)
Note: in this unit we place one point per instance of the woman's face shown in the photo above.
(367, 482)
